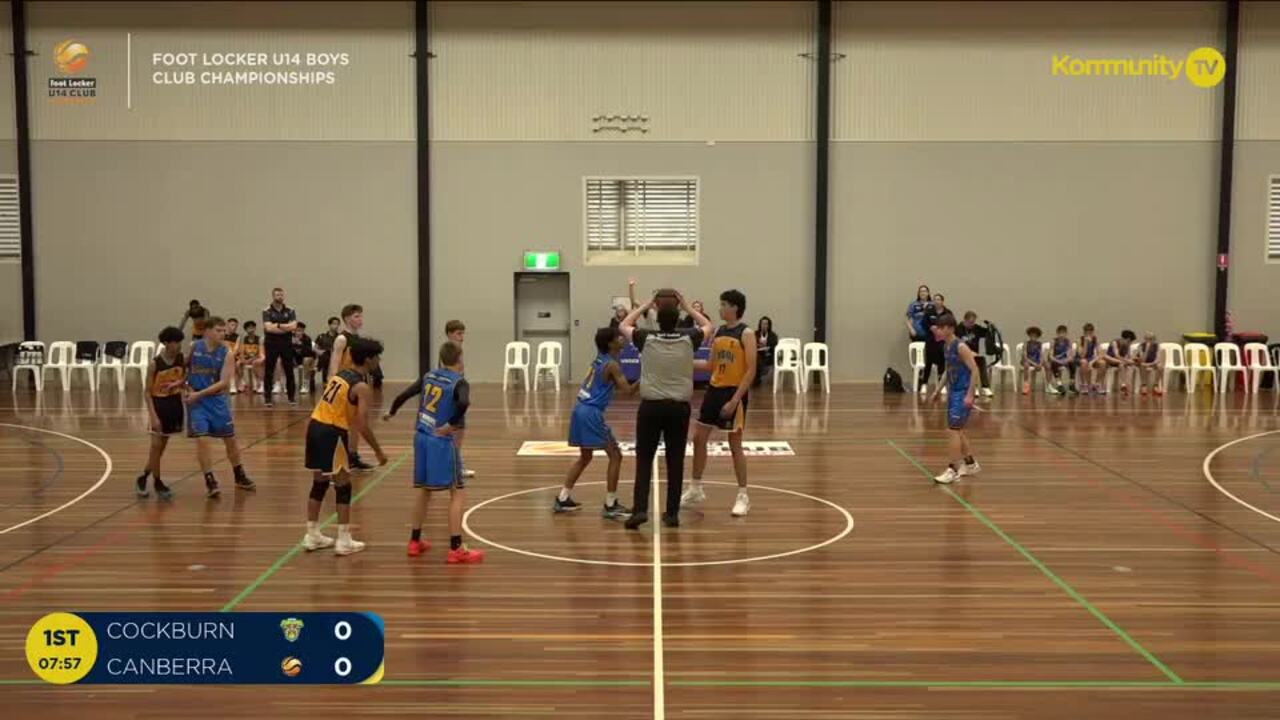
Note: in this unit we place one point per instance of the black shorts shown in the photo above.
(171, 412)
(714, 401)
(326, 448)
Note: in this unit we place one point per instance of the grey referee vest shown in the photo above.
(666, 367)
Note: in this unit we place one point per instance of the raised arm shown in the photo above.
(408, 394)
(703, 323)
(628, 325)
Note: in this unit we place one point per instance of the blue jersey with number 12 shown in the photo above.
(438, 406)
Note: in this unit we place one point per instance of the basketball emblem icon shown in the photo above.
(291, 666)
(71, 56)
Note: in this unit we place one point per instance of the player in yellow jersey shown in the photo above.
(724, 406)
(166, 375)
(340, 410)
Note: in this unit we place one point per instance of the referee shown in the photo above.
(666, 384)
(278, 323)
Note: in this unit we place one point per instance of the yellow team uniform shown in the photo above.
(328, 431)
(728, 369)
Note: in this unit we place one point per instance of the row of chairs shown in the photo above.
(1191, 361)
(517, 354)
(65, 358)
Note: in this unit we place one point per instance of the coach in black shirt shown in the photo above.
(278, 323)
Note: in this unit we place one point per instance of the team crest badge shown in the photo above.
(292, 628)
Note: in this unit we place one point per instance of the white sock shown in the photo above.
(610, 499)
(742, 492)
(311, 528)
(564, 494)
(344, 532)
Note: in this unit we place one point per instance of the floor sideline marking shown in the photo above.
(105, 474)
(659, 668)
(1209, 476)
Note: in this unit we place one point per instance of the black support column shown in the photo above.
(1226, 169)
(422, 86)
(822, 111)
(22, 121)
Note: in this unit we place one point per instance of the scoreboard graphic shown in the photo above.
(207, 648)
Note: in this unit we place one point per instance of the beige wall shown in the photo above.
(10, 270)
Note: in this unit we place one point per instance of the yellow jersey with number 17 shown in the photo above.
(728, 357)
(337, 406)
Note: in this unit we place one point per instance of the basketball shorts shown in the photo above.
(714, 401)
(169, 409)
(587, 429)
(211, 417)
(957, 412)
(436, 463)
(326, 448)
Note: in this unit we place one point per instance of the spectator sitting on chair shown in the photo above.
(304, 356)
(250, 357)
(766, 343)
(972, 334)
(934, 356)
(1150, 366)
(190, 314)
(324, 343)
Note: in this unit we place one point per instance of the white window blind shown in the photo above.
(10, 232)
(1273, 218)
(642, 214)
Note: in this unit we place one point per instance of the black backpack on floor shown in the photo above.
(893, 381)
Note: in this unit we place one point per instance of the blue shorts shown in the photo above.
(436, 463)
(957, 413)
(587, 429)
(210, 417)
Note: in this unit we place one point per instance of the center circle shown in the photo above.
(848, 528)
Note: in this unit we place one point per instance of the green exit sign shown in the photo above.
(541, 260)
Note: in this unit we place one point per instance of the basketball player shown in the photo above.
(210, 372)
(166, 376)
(343, 407)
(340, 359)
(588, 430)
(456, 331)
(436, 465)
(962, 368)
(724, 406)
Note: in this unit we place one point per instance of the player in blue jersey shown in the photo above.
(445, 396)
(962, 368)
(210, 373)
(588, 430)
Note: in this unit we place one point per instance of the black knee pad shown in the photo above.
(343, 494)
(318, 489)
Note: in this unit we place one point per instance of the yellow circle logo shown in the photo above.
(1206, 67)
(61, 648)
(71, 56)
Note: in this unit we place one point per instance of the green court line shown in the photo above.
(293, 551)
(1093, 609)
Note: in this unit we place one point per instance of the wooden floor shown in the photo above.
(1092, 570)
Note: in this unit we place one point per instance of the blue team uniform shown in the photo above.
(1033, 351)
(957, 412)
(436, 463)
(917, 311)
(1088, 349)
(210, 416)
(587, 427)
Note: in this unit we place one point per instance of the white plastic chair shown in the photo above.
(1174, 362)
(549, 357)
(1005, 368)
(140, 354)
(516, 358)
(786, 359)
(1199, 362)
(111, 363)
(30, 358)
(816, 357)
(59, 360)
(1259, 362)
(1227, 358)
(915, 356)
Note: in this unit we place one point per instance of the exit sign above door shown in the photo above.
(541, 260)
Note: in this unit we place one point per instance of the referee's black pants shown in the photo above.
(279, 352)
(668, 421)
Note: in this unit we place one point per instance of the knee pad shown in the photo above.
(343, 494)
(318, 489)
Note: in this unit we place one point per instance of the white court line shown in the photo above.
(1209, 476)
(105, 474)
(659, 671)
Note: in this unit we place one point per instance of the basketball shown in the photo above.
(291, 666)
(665, 298)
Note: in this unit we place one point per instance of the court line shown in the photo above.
(297, 548)
(51, 479)
(659, 666)
(1093, 609)
(1256, 469)
(848, 528)
(1209, 476)
(106, 474)
(135, 502)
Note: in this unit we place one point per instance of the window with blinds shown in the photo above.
(10, 234)
(642, 218)
(1273, 219)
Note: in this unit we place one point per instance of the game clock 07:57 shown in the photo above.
(61, 648)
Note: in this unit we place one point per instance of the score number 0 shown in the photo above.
(342, 631)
